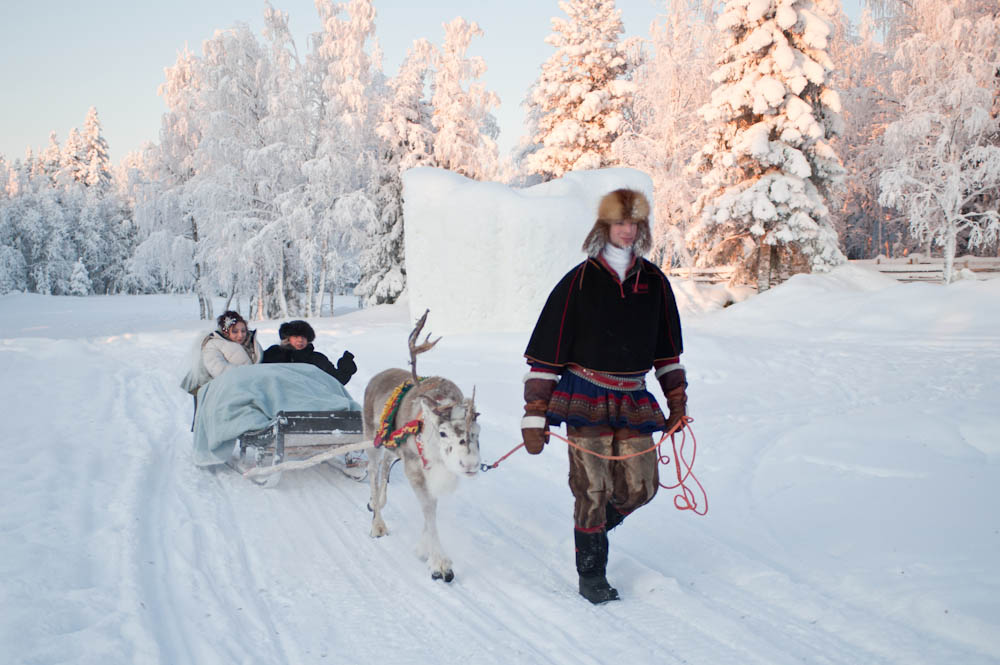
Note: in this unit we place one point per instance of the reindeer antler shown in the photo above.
(415, 348)
(470, 411)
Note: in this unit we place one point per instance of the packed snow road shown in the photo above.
(847, 440)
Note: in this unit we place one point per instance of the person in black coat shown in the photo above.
(296, 347)
(608, 322)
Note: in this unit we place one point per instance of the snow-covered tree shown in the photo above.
(79, 281)
(51, 157)
(168, 254)
(582, 97)
(97, 162)
(944, 150)
(341, 168)
(863, 77)
(768, 163)
(73, 161)
(407, 138)
(663, 130)
(466, 131)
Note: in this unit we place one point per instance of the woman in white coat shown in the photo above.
(229, 346)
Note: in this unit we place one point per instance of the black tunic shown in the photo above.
(593, 319)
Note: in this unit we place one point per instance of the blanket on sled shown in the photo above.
(249, 397)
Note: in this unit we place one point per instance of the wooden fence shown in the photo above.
(914, 268)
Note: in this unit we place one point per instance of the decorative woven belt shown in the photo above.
(610, 381)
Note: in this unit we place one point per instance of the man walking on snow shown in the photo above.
(604, 326)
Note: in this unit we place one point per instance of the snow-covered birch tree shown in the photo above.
(583, 93)
(768, 164)
(863, 78)
(407, 140)
(663, 131)
(945, 146)
(466, 131)
(165, 212)
(341, 172)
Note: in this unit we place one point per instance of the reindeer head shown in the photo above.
(452, 427)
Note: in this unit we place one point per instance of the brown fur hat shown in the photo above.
(614, 206)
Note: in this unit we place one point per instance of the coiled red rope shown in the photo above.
(686, 499)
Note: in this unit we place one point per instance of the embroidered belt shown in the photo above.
(610, 381)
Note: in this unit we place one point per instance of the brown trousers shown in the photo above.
(627, 484)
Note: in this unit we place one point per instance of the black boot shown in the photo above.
(591, 564)
(612, 517)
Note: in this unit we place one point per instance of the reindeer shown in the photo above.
(444, 447)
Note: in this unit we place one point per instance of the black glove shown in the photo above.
(346, 367)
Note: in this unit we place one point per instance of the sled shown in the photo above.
(296, 440)
(265, 419)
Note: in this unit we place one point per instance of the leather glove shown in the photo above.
(538, 388)
(535, 426)
(346, 365)
(534, 438)
(677, 404)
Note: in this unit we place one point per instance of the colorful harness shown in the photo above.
(386, 436)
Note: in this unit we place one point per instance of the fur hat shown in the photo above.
(615, 206)
(297, 329)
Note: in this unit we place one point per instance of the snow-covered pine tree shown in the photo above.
(663, 130)
(407, 141)
(943, 149)
(466, 131)
(768, 163)
(73, 160)
(51, 157)
(79, 281)
(583, 93)
(97, 162)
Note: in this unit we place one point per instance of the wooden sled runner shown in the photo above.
(296, 440)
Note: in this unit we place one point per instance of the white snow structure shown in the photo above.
(483, 256)
(768, 162)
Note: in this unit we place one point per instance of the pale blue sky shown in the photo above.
(59, 58)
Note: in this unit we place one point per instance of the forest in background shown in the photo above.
(780, 137)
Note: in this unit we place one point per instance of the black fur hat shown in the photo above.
(297, 328)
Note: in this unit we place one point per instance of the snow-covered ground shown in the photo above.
(849, 441)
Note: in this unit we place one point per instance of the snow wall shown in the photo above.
(483, 256)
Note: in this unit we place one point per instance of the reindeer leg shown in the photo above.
(378, 477)
(429, 545)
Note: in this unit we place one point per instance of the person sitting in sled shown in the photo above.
(232, 344)
(296, 347)
(604, 326)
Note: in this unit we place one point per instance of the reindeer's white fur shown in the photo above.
(449, 439)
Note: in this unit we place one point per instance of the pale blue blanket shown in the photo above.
(249, 397)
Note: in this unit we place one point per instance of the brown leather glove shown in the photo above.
(535, 425)
(677, 403)
(535, 438)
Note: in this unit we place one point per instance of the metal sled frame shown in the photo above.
(295, 435)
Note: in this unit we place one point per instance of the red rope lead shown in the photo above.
(683, 468)
(686, 499)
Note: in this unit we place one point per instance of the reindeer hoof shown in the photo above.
(379, 529)
(447, 575)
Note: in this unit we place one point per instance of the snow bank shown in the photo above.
(852, 300)
(483, 256)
